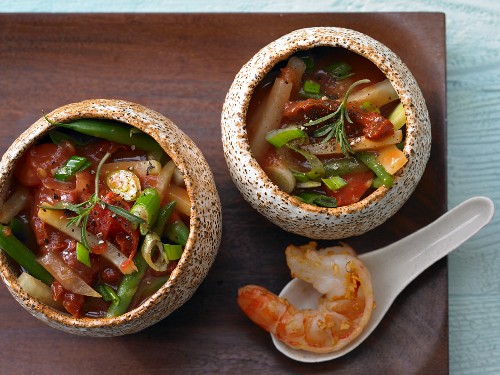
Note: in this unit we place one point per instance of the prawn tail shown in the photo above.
(263, 307)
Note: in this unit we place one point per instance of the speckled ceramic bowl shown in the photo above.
(205, 222)
(283, 209)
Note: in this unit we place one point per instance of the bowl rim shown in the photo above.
(139, 117)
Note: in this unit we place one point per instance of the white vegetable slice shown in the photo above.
(37, 289)
(378, 94)
(12, 206)
(68, 278)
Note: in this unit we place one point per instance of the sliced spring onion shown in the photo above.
(153, 248)
(281, 175)
(72, 166)
(280, 137)
(178, 232)
(340, 70)
(173, 252)
(308, 184)
(312, 87)
(124, 183)
(318, 199)
(83, 254)
(397, 117)
(146, 207)
(334, 182)
(370, 159)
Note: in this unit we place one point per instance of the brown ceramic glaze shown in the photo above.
(285, 210)
(205, 221)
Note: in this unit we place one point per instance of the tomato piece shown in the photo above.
(95, 151)
(72, 302)
(40, 161)
(357, 185)
(113, 227)
(375, 126)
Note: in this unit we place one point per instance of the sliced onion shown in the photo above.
(12, 206)
(151, 243)
(68, 278)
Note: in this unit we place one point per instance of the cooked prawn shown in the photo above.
(343, 311)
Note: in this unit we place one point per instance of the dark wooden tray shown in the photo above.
(182, 65)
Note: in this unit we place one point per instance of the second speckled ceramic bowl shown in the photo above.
(205, 220)
(283, 209)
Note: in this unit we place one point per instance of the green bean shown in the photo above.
(23, 256)
(128, 287)
(370, 160)
(163, 217)
(115, 132)
(146, 207)
(178, 232)
(339, 167)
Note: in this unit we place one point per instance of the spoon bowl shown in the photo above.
(394, 266)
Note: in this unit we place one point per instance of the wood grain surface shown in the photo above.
(181, 65)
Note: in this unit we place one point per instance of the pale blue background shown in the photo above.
(473, 80)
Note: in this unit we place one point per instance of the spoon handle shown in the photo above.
(396, 265)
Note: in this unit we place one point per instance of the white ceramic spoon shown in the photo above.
(393, 267)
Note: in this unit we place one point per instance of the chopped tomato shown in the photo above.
(108, 225)
(375, 126)
(72, 302)
(357, 185)
(95, 151)
(40, 161)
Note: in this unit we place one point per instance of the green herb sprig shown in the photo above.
(337, 127)
(82, 210)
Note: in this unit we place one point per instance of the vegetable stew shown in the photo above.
(327, 127)
(97, 218)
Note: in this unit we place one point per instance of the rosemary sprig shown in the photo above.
(82, 210)
(337, 127)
